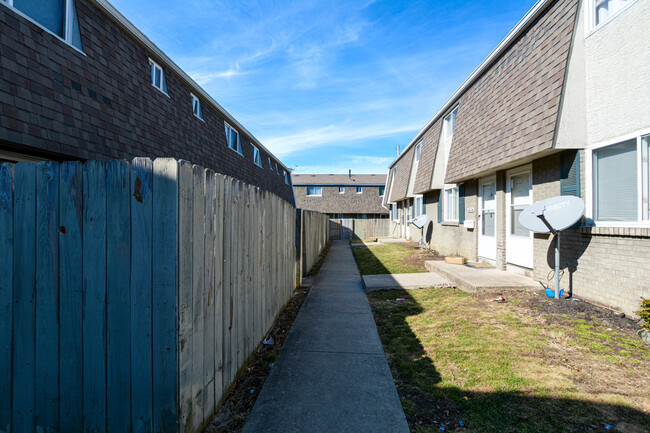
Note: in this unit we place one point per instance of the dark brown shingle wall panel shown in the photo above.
(424, 174)
(400, 186)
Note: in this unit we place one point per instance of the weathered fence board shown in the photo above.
(6, 282)
(47, 295)
(71, 298)
(165, 223)
(131, 294)
(118, 303)
(94, 296)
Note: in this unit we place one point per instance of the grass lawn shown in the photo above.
(528, 365)
(390, 259)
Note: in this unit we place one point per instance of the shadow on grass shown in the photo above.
(429, 403)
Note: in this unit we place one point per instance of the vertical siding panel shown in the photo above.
(71, 296)
(165, 224)
(6, 291)
(94, 297)
(24, 303)
(185, 248)
(227, 277)
(198, 309)
(208, 297)
(118, 296)
(47, 296)
(218, 289)
(141, 295)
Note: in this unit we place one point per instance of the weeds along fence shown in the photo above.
(312, 229)
(131, 293)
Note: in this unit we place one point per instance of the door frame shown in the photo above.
(519, 249)
(488, 244)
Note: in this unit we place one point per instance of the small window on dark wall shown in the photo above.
(257, 157)
(196, 107)
(359, 190)
(58, 17)
(158, 77)
(232, 136)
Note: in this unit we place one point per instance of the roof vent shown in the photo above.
(350, 174)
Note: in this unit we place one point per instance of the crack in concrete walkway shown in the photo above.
(332, 374)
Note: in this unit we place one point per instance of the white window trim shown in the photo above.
(256, 149)
(591, 14)
(240, 150)
(418, 152)
(589, 188)
(270, 164)
(418, 209)
(194, 97)
(380, 194)
(314, 195)
(68, 23)
(286, 177)
(341, 192)
(446, 120)
(162, 76)
(359, 190)
(445, 204)
(394, 212)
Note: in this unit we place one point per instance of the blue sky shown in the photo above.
(330, 85)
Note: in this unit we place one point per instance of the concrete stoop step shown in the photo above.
(373, 283)
(474, 279)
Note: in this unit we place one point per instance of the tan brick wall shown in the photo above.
(606, 269)
(450, 238)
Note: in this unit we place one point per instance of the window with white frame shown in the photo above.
(286, 177)
(232, 135)
(158, 77)
(196, 106)
(270, 164)
(341, 190)
(315, 191)
(58, 17)
(451, 203)
(419, 206)
(603, 10)
(277, 170)
(395, 212)
(382, 191)
(418, 150)
(257, 156)
(620, 181)
(448, 124)
(359, 190)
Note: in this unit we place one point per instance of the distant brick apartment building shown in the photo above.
(560, 107)
(346, 198)
(79, 81)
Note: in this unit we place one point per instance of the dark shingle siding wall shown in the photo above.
(102, 105)
(511, 111)
(331, 201)
(430, 141)
(400, 187)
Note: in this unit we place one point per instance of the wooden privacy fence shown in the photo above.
(313, 228)
(131, 294)
(358, 228)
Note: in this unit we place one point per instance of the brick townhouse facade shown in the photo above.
(79, 81)
(558, 108)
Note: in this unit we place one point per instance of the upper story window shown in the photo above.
(196, 106)
(257, 156)
(286, 177)
(270, 164)
(341, 190)
(603, 10)
(448, 124)
(382, 190)
(232, 135)
(58, 17)
(158, 77)
(314, 191)
(359, 190)
(451, 203)
(620, 181)
(418, 149)
(277, 170)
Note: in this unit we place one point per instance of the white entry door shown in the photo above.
(519, 195)
(487, 223)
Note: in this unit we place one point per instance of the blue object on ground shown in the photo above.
(551, 294)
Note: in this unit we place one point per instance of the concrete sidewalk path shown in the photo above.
(423, 280)
(332, 374)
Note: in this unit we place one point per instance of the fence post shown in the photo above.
(6, 291)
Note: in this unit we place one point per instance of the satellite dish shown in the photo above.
(420, 221)
(560, 212)
(552, 216)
